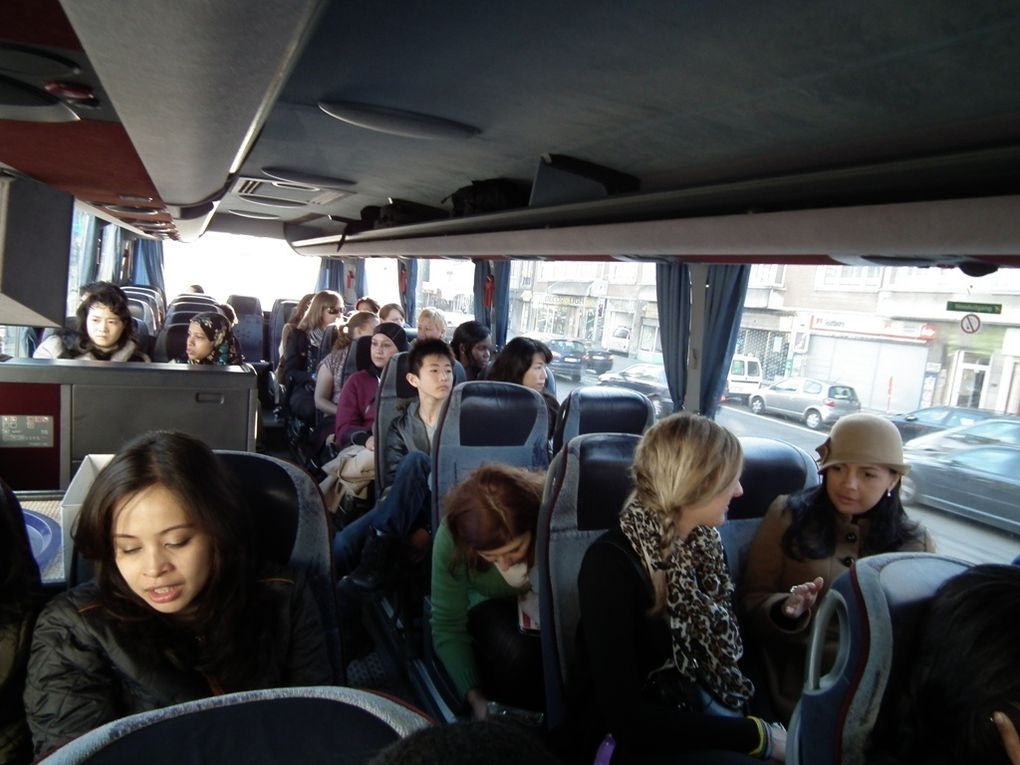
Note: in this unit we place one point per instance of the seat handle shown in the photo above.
(833, 606)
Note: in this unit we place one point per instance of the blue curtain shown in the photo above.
(673, 294)
(724, 304)
(148, 264)
(88, 257)
(109, 268)
(331, 275)
(481, 279)
(407, 269)
(501, 302)
(360, 278)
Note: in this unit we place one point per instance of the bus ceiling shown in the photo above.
(786, 129)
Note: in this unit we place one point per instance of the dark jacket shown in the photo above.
(620, 644)
(83, 672)
(406, 434)
(296, 364)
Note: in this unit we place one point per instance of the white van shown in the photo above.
(744, 378)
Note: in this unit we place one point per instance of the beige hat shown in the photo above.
(863, 439)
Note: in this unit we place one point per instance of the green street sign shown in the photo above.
(954, 305)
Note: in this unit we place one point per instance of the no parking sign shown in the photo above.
(970, 323)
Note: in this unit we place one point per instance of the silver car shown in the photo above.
(981, 483)
(815, 402)
(999, 430)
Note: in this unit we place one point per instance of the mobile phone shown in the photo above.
(526, 717)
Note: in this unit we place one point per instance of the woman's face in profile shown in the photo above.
(159, 551)
(394, 317)
(536, 374)
(103, 326)
(199, 346)
(481, 352)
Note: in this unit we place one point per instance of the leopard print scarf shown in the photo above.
(699, 593)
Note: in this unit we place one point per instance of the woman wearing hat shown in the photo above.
(355, 410)
(806, 540)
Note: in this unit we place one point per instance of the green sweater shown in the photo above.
(453, 595)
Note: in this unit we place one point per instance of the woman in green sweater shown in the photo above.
(481, 560)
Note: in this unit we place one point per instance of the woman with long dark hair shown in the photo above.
(808, 539)
(105, 330)
(179, 609)
(472, 347)
(526, 362)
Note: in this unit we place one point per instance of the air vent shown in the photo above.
(285, 193)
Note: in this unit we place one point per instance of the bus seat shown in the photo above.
(264, 726)
(878, 606)
(142, 310)
(484, 422)
(360, 358)
(602, 409)
(250, 330)
(148, 295)
(245, 304)
(143, 335)
(771, 468)
(587, 485)
(171, 342)
(393, 387)
(278, 316)
(291, 529)
(194, 297)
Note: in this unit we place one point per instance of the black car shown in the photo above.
(933, 418)
(567, 357)
(644, 378)
(598, 360)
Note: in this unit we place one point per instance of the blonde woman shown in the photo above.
(431, 324)
(301, 356)
(658, 637)
(329, 378)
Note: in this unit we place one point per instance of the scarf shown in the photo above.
(703, 628)
(217, 330)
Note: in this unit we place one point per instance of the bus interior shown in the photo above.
(830, 191)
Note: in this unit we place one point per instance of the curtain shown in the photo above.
(109, 267)
(724, 304)
(673, 294)
(148, 264)
(331, 274)
(500, 302)
(481, 284)
(88, 256)
(407, 270)
(360, 278)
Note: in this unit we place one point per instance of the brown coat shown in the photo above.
(770, 574)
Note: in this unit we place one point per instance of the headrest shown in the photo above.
(601, 409)
(771, 468)
(496, 414)
(245, 304)
(401, 367)
(272, 499)
(604, 478)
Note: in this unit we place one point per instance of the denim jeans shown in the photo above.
(406, 507)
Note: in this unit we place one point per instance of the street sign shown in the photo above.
(956, 305)
(970, 323)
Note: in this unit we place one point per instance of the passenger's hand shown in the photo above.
(370, 443)
(1010, 739)
(802, 598)
(478, 704)
(777, 742)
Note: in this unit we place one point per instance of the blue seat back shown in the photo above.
(602, 409)
(485, 422)
(393, 388)
(878, 607)
(588, 482)
(771, 468)
(266, 726)
(249, 331)
(142, 310)
(278, 316)
(171, 342)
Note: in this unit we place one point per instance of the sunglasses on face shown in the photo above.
(331, 310)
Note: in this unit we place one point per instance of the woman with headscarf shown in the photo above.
(211, 341)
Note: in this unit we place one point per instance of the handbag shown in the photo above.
(667, 687)
(348, 475)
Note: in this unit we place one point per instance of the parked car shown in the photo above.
(598, 360)
(981, 483)
(619, 341)
(644, 378)
(815, 402)
(744, 378)
(934, 418)
(567, 357)
(1001, 430)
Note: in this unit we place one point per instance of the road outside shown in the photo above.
(955, 536)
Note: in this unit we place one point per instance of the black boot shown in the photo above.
(378, 561)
